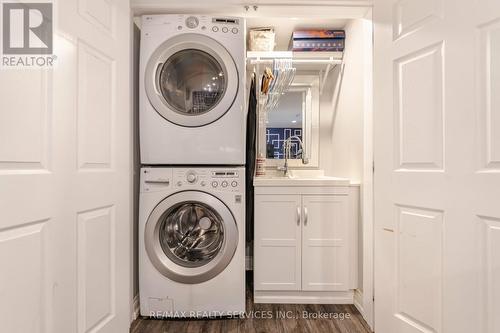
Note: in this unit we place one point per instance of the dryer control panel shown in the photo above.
(229, 26)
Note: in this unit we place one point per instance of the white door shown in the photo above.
(437, 165)
(277, 243)
(325, 252)
(65, 178)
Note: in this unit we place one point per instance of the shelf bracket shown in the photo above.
(336, 90)
(323, 76)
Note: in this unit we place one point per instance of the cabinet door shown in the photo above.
(277, 243)
(325, 253)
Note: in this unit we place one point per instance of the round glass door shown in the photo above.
(191, 80)
(190, 237)
(191, 234)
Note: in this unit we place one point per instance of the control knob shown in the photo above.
(192, 22)
(191, 177)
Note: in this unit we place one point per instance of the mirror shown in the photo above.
(284, 122)
(297, 115)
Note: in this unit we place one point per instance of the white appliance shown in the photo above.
(192, 241)
(192, 97)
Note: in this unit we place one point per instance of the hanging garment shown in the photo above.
(267, 78)
(250, 151)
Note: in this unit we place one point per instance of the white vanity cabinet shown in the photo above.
(277, 242)
(303, 244)
(325, 257)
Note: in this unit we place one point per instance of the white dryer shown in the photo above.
(192, 242)
(192, 99)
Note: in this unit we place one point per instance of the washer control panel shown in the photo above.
(211, 179)
(154, 179)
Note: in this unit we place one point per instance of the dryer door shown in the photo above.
(191, 237)
(191, 80)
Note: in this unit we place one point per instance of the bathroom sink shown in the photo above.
(299, 178)
(306, 174)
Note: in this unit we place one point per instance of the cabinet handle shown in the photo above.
(298, 215)
(305, 215)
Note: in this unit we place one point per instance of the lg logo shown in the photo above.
(27, 28)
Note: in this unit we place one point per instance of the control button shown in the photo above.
(234, 183)
(225, 29)
(215, 29)
(224, 184)
(203, 28)
(179, 183)
(234, 30)
(215, 184)
(203, 183)
(191, 177)
(179, 27)
(192, 22)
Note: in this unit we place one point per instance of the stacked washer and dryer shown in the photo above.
(192, 142)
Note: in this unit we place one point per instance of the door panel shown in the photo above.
(277, 244)
(325, 252)
(436, 170)
(65, 179)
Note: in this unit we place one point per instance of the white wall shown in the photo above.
(341, 128)
(342, 124)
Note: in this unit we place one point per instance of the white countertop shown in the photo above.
(299, 178)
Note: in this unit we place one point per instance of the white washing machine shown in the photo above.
(192, 98)
(192, 242)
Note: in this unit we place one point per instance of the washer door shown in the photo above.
(191, 237)
(191, 80)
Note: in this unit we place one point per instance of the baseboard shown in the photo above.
(304, 297)
(358, 302)
(135, 307)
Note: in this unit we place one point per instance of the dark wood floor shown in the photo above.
(354, 324)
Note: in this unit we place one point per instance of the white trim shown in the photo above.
(135, 308)
(358, 302)
(354, 241)
(368, 173)
(304, 297)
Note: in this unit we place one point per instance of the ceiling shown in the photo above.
(313, 9)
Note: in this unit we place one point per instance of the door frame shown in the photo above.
(335, 9)
(367, 188)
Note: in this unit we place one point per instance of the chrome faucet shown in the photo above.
(287, 147)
